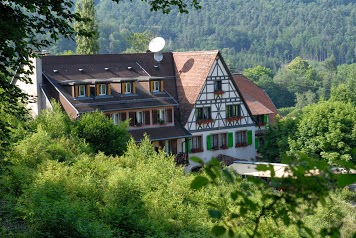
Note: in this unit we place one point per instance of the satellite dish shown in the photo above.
(158, 56)
(156, 44)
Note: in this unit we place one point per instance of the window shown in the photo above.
(222, 141)
(219, 141)
(203, 113)
(102, 89)
(232, 111)
(117, 118)
(261, 120)
(159, 116)
(139, 118)
(217, 85)
(128, 88)
(81, 91)
(215, 141)
(197, 142)
(241, 137)
(156, 87)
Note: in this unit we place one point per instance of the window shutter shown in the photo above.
(249, 137)
(147, 118)
(189, 145)
(208, 142)
(122, 88)
(230, 139)
(76, 89)
(257, 143)
(154, 117)
(88, 90)
(169, 115)
(97, 88)
(132, 118)
(109, 88)
(265, 119)
(151, 86)
(134, 87)
(161, 88)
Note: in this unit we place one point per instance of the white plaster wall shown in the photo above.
(34, 88)
(248, 152)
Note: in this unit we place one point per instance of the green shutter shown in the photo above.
(208, 142)
(257, 143)
(189, 145)
(230, 139)
(249, 137)
(265, 119)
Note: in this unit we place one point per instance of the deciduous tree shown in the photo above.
(86, 44)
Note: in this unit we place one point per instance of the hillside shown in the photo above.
(264, 32)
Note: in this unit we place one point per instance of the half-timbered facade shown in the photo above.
(212, 108)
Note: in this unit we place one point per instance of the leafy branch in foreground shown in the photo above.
(286, 200)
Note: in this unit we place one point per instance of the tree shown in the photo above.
(298, 77)
(86, 44)
(305, 98)
(277, 136)
(258, 73)
(327, 130)
(102, 134)
(139, 42)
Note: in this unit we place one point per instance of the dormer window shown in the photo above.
(128, 87)
(156, 86)
(102, 89)
(81, 91)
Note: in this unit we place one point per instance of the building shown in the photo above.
(188, 103)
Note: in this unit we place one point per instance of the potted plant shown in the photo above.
(161, 121)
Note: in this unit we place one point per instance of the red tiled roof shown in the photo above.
(256, 98)
(192, 69)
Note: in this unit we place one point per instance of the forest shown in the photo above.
(249, 33)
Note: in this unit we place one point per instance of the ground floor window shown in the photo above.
(196, 144)
(219, 141)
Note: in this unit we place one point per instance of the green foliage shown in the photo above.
(276, 137)
(328, 130)
(266, 33)
(284, 207)
(258, 73)
(103, 135)
(141, 194)
(86, 44)
(139, 42)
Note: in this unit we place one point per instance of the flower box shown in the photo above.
(196, 150)
(241, 144)
(234, 118)
(219, 92)
(215, 148)
(224, 147)
(205, 121)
